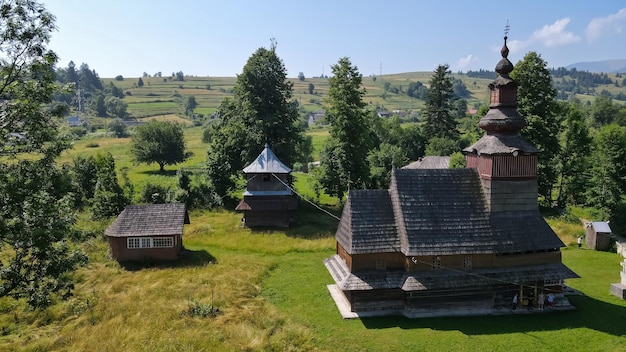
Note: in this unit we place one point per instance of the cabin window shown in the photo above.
(437, 262)
(381, 264)
(134, 242)
(150, 242)
(266, 178)
(467, 262)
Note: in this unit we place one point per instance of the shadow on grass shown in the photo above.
(312, 223)
(590, 313)
(188, 258)
(169, 173)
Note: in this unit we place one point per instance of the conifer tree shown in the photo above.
(344, 158)
(439, 116)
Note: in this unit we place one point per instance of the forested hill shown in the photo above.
(572, 82)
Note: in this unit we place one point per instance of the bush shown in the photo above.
(155, 194)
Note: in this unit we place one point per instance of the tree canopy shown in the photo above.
(159, 142)
(36, 212)
(536, 101)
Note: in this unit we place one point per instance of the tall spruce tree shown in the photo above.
(260, 112)
(536, 101)
(439, 116)
(344, 157)
(36, 212)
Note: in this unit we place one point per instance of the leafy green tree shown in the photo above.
(85, 177)
(119, 78)
(179, 76)
(113, 90)
(140, 82)
(190, 104)
(311, 88)
(159, 142)
(116, 107)
(439, 116)
(119, 128)
(108, 198)
(575, 154)
(98, 105)
(439, 146)
(36, 211)
(301, 76)
(382, 161)
(609, 167)
(260, 112)
(344, 158)
(536, 101)
(603, 111)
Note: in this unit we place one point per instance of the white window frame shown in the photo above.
(150, 242)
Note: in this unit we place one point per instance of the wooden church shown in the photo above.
(267, 199)
(446, 235)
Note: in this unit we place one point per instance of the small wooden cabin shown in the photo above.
(148, 232)
(598, 235)
(267, 199)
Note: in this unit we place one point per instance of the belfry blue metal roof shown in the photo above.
(267, 162)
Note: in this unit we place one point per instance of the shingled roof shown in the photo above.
(437, 212)
(440, 279)
(267, 162)
(149, 220)
(430, 162)
(367, 223)
(501, 144)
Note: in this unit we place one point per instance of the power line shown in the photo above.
(305, 199)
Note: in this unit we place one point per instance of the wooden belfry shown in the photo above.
(267, 199)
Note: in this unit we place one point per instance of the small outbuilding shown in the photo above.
(148, 232)
(598, 235)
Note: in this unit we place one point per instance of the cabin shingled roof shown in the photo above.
(149, 220)
(367, 224)
(267, 162)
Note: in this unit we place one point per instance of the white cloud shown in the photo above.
(611, 23)
(550, 35)
(555, 34)
(464, 62)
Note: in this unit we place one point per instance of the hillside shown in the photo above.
(161, 96)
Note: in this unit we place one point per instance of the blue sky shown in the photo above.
(216, 38)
